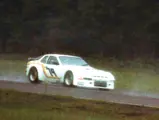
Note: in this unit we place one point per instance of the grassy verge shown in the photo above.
(136, 75)
(23, 106)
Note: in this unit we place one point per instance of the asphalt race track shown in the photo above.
(117, 96)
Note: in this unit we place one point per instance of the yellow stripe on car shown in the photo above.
(44, 69)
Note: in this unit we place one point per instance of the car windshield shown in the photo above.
(69, 60)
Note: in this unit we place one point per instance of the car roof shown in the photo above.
(58, 55)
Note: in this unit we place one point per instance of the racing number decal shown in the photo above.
(52, 72)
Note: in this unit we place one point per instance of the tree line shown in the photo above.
(113, 28)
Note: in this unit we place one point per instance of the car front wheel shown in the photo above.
(68, 79)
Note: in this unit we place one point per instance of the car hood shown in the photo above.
(89, 71)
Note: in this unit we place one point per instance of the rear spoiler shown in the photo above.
(34, 58)
(31, 59)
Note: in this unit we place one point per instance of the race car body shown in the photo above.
(69, 70)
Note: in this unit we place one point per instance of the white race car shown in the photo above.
(69, 70)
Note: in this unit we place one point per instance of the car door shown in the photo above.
(52, 69)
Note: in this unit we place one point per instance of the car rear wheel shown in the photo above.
(33, 75)
(68, 79)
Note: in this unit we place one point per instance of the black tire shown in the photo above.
(68, 79)
(33, 75)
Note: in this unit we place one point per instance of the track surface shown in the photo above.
(117, 96)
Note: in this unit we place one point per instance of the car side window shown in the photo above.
(52, 60)
(44, 59)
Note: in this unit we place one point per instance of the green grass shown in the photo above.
(23, 106)
(12, 65)
(137, 75)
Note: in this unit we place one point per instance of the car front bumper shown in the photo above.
(95, 84)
